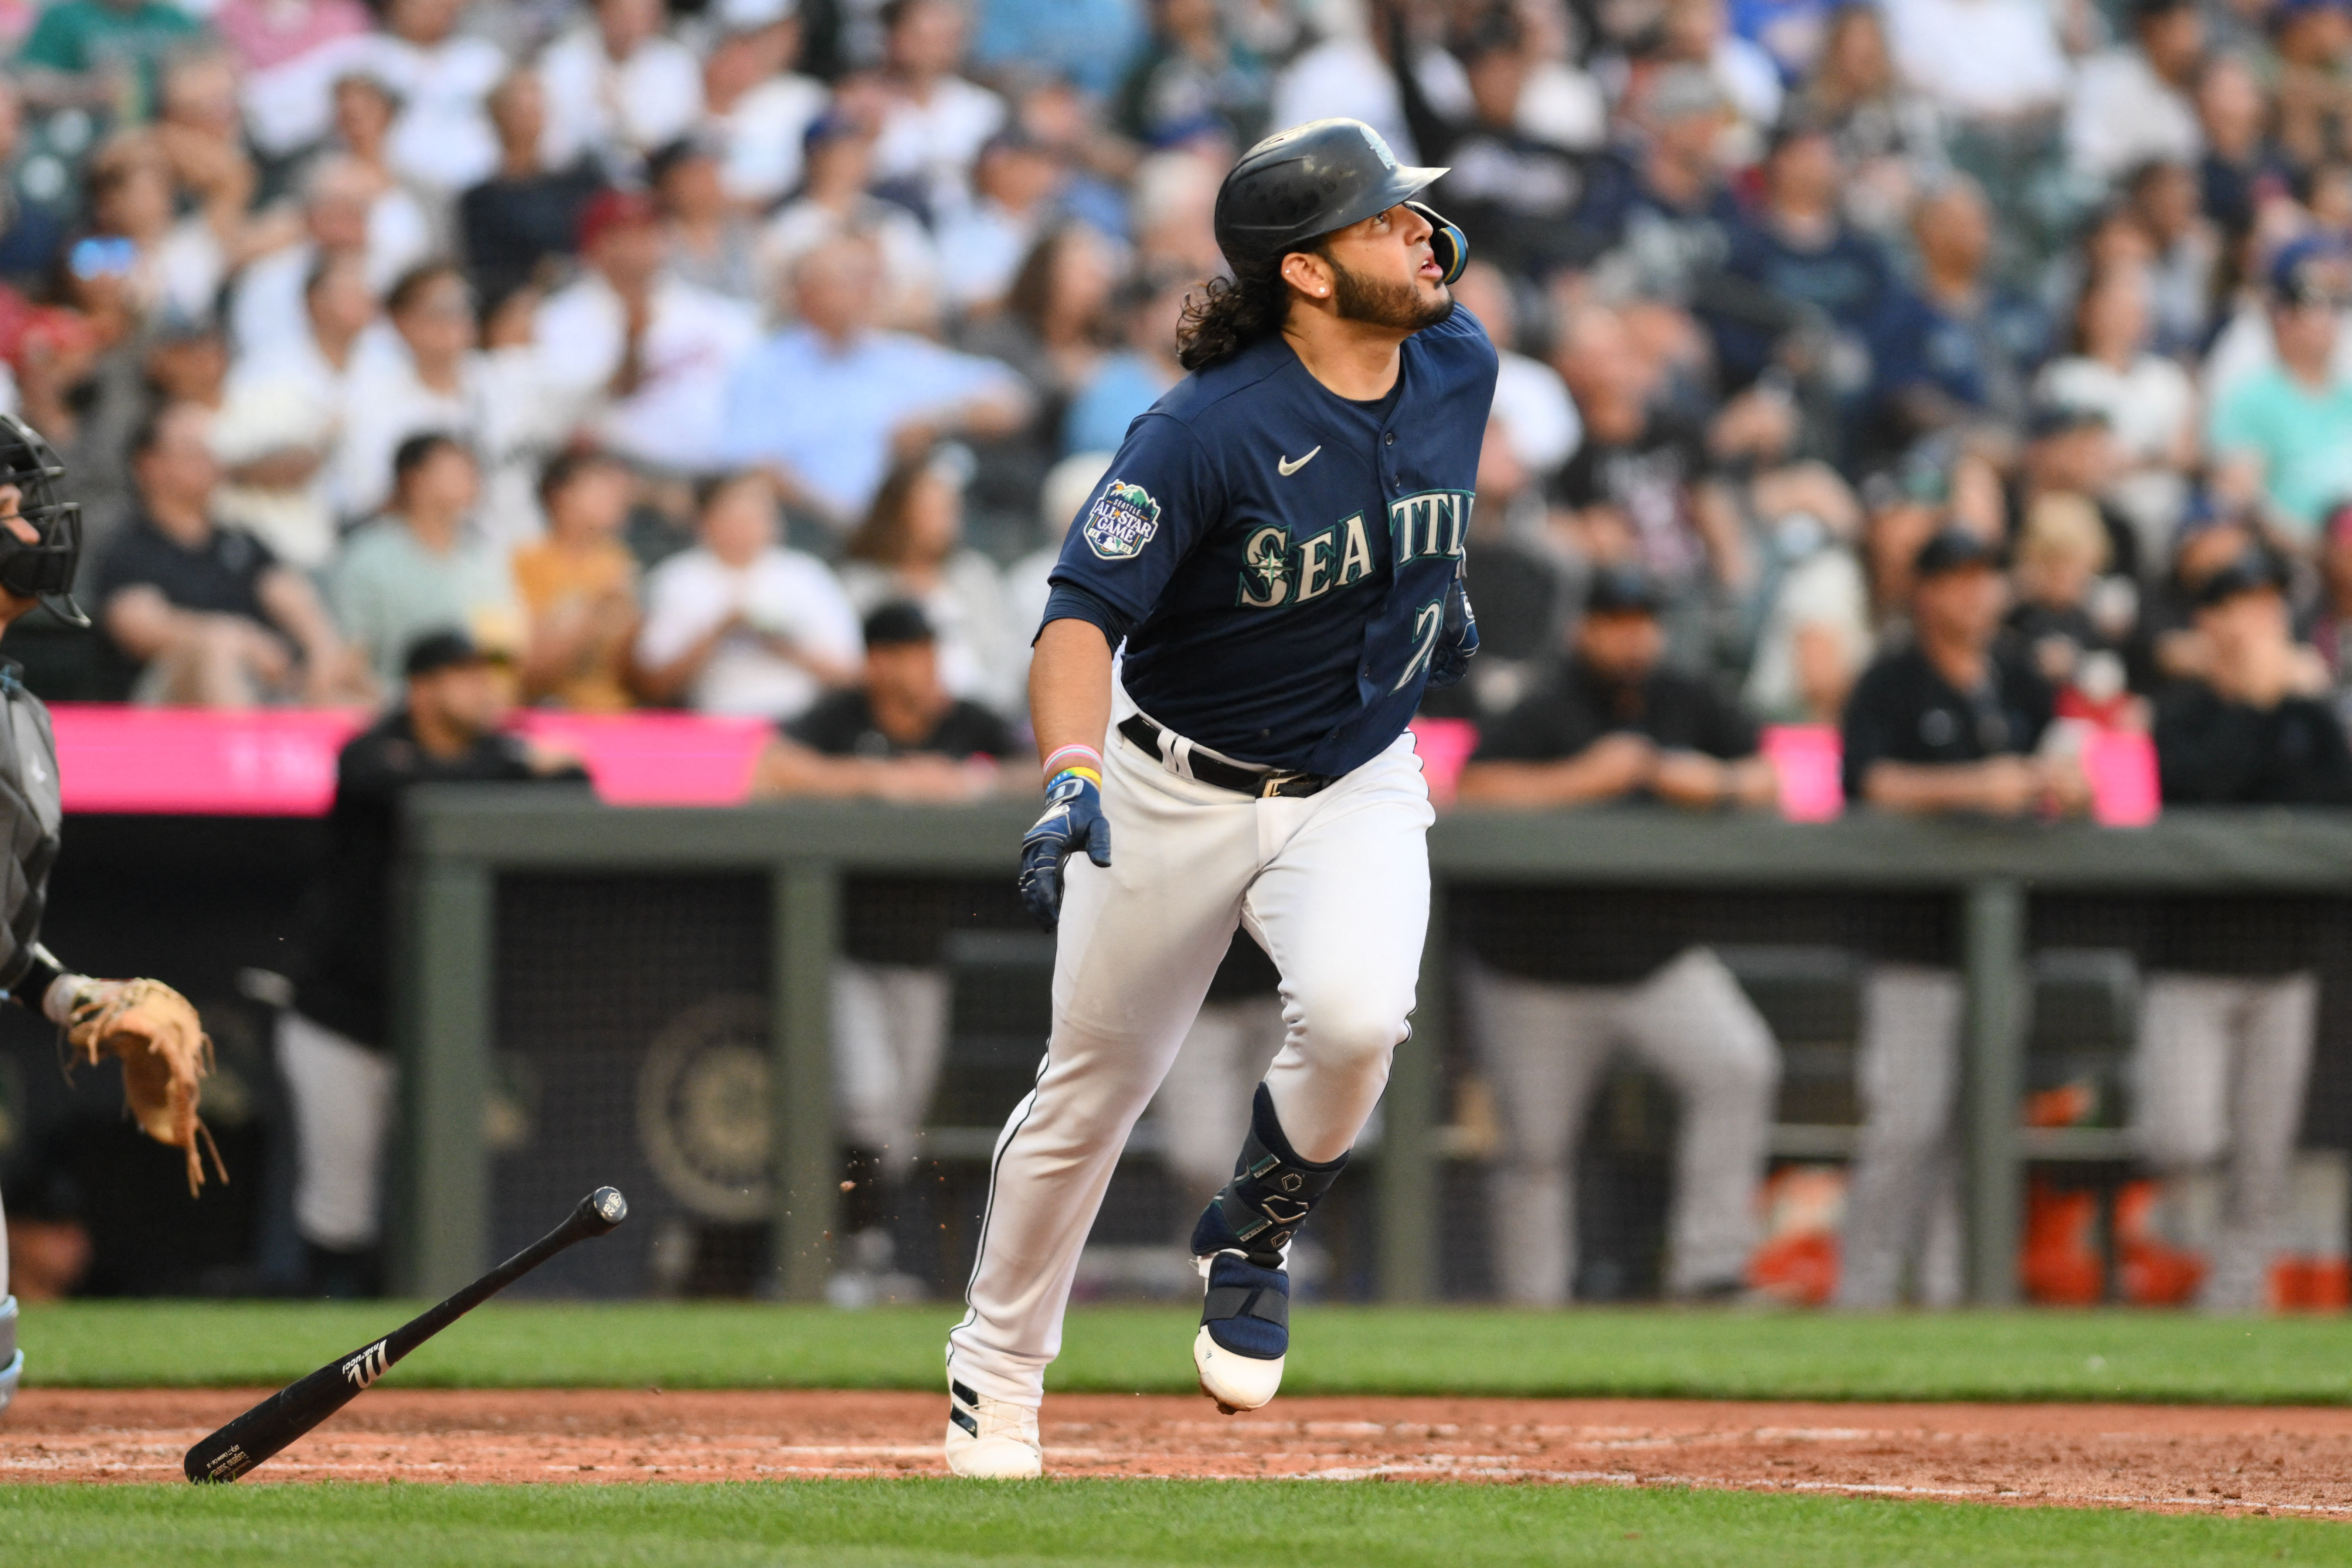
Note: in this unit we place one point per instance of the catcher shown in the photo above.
(146, 1022)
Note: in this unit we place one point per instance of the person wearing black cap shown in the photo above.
(897, 736)
(1614, 724)
(1945, 724)
(2227, 1029)
(334, 1032)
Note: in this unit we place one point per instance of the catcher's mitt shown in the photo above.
(165, 1056)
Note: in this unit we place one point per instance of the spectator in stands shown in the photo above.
(642, 354)
(897, 735)
(617, 88)
(741, 625)
(2223, 1056)
(578, 585)
(1662, 210)
(836, 204)
(103, 55)
(427, 377)
(2284, 435)
(287, 53)
(1127, 381)
(2255, 727)
(1192, 73)
(529, 209)
(207, 613)
(1945, 725)
(935, 122)
(756, 106)
(1538, 419)
(418, 566)
(1957, 349)
(334, 1042)
(1516, 191)
(2148, 401)
(1889, 139)
(911, 549)
(164, 262)
(2308, 39)
(1616, 724)
(2240, 155)
(1812, 273)
(342, 210)
(1085, 41)
(1052, 328)
(2064, 626)
(2132, 104)
(984, 244)
(822, 404)
(1994, 64)
(441, 79)
(283, 416)
(709, 241)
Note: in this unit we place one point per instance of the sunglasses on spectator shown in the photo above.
(103, 255)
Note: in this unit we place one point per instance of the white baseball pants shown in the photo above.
(2219, 1079)
(1543, 1045)
(341, 1095)
(1335, 886)
(889, 1033)
(1902, 1203)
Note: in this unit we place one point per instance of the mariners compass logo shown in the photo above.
(1121, 522)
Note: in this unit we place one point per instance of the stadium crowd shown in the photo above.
(1970, 375)
(658, 347)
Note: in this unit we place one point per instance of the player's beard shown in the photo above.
(1398, 305)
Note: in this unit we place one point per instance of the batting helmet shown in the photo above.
(1301, 183)
(45, 569)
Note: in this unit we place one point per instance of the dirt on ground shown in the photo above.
(2285, 1460)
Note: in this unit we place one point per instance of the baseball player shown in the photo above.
(1278, 546)
(146, 1022)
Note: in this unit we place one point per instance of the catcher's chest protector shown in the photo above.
(30, 814)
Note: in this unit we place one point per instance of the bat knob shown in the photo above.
(605, 1208)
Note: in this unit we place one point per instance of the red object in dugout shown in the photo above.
(281, 762)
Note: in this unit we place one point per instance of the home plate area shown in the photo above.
(2173, 1457)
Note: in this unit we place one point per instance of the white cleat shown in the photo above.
(992, 1439)
(1235, 1382)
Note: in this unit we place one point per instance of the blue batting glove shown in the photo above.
(1074, 819)
(1457, 638)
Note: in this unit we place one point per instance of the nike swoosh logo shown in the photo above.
(1286, 468)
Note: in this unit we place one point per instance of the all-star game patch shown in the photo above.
(1122, 522)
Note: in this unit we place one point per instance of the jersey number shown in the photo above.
(1427, 621)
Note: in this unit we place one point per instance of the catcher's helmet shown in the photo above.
(43, 570)
(1301, 183)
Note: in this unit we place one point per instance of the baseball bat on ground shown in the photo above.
(294, 1409)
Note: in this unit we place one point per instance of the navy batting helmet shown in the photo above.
(1301, 183)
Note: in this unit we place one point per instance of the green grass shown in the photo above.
(2141, 1356)
(941, 1523)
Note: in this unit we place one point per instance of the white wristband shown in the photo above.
(58, 1001)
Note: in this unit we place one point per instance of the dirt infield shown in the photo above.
(2162, 1457)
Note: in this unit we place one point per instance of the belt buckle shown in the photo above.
(1270, 787)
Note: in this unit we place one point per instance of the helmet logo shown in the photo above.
(1379, 147)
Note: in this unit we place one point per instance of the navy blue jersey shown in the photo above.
(1283, 553)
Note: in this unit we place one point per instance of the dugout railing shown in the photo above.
(781, 870)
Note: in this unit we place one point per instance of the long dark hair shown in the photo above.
(1228, 314)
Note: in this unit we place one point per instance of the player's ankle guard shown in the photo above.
(1271, 1195)
(12, 1359)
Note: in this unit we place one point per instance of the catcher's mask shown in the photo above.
(44, 570)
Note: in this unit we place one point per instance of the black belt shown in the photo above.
(1143, 733)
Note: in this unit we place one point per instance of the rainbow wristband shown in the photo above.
(1088, 774)
(1074, 756)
